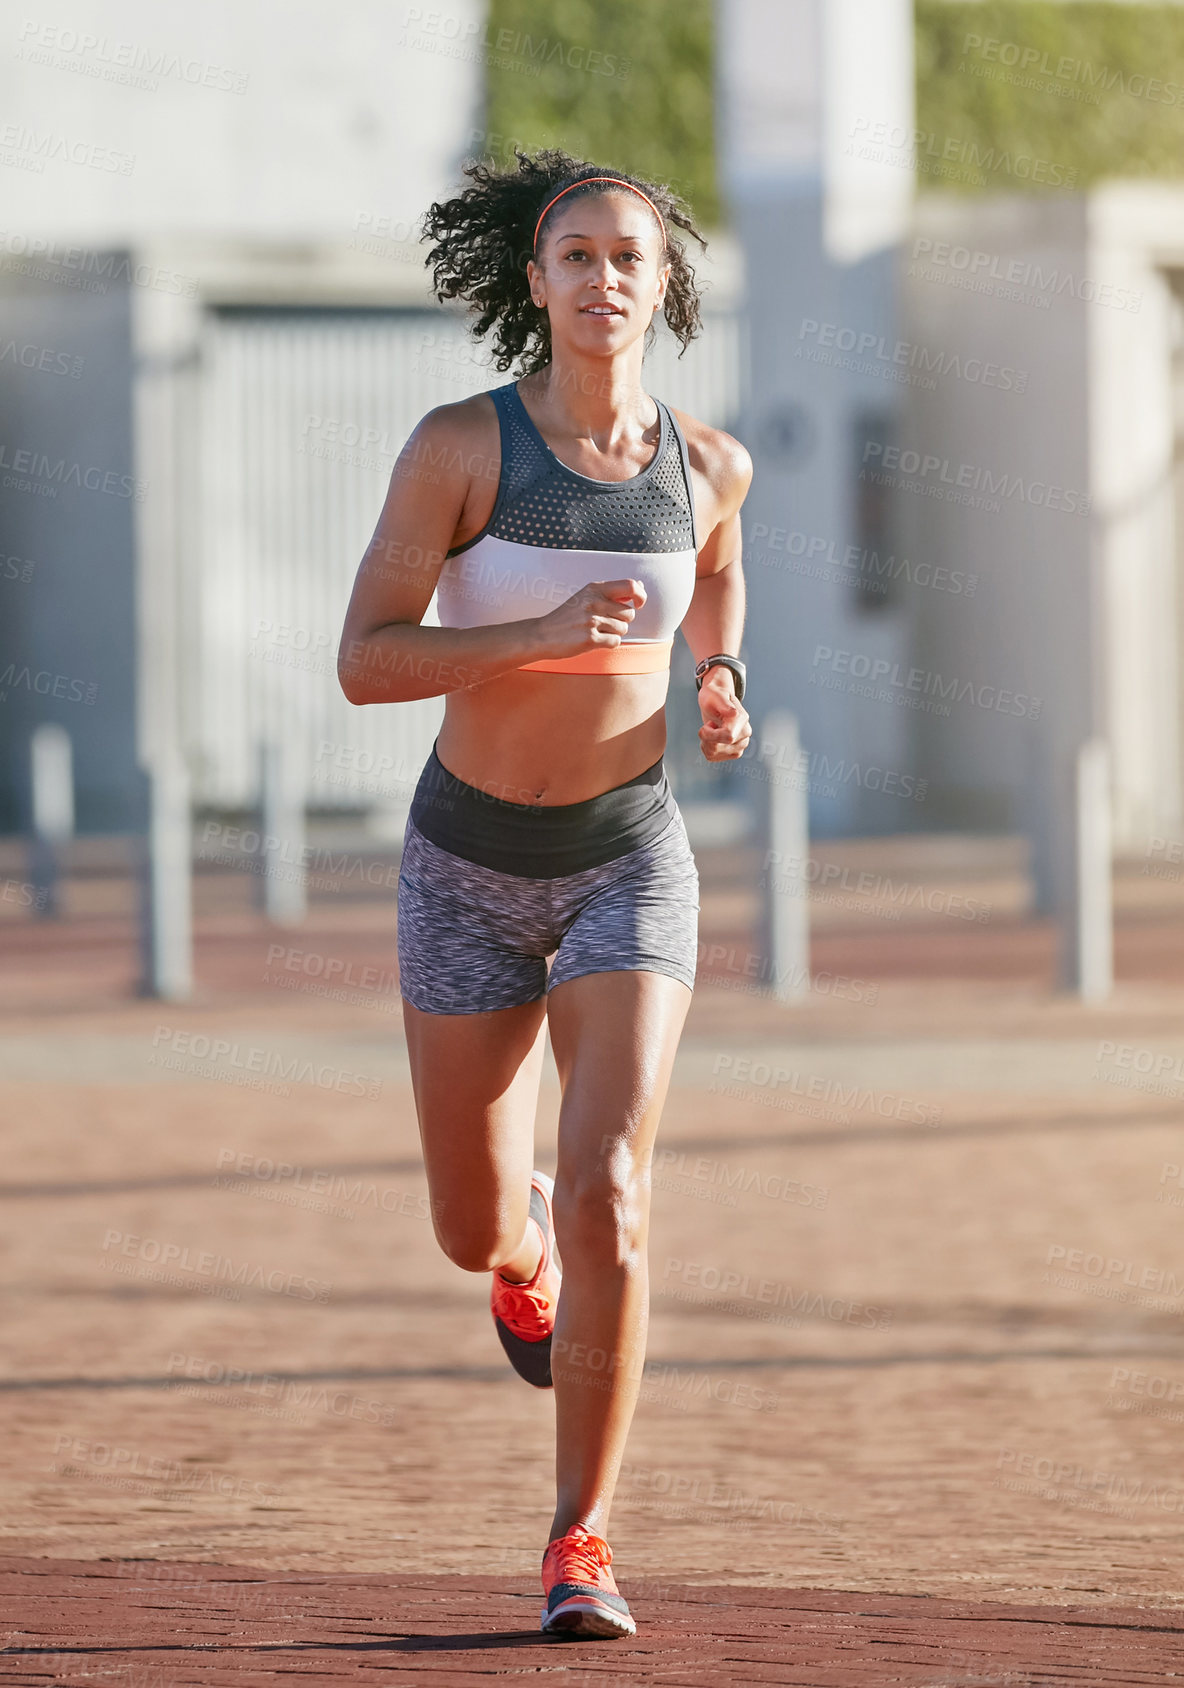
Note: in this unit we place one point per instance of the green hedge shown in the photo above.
(630, 83)
(1094, 109)
(626, 83)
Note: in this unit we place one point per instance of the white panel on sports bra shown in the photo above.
(499, 580)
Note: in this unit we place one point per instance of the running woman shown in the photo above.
(568, 523)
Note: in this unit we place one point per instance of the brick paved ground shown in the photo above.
(139, 1625)
(916, 1349)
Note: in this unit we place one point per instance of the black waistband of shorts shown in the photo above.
(537, 840)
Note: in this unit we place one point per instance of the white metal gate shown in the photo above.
(303, 415)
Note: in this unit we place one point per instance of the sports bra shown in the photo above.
(552, 530)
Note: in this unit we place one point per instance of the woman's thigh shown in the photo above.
(472, 944)
(639, 912)
(618, 995)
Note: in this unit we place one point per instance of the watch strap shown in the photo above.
(721, 660)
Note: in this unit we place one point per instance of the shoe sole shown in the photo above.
(532, 1360)
(585, 1617)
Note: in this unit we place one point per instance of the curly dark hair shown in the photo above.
(484, 237)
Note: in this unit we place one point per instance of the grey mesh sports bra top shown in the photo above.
(552, 530)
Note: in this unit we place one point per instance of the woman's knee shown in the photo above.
(602, 1213)
(475, 1247)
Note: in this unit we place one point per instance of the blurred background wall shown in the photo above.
(942, 309)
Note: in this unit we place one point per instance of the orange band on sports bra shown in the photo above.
(632, 656)
(571, 185)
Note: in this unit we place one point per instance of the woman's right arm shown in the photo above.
(385, 655)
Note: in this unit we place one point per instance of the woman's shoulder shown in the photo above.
(717, 456)
(458, 437)
(460, 419)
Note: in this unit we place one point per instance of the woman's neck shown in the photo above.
(603, 401)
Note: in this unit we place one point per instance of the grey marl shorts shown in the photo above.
(471, 938)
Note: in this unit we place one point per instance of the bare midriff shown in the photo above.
(531, 737)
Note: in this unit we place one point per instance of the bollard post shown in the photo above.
(51, 782)
(786, 914)
(1088, 939)
(283, 889)
(167, 926)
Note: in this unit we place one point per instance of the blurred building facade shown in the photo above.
(163, 178)
(244, 351)
(962, 544)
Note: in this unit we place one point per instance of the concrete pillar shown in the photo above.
(282, 888)
(51, 808)
(819, 213)
(164, 426)
(167, 869)
(785, 883)
(1087, 924)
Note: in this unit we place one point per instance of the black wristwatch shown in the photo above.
(721, 661)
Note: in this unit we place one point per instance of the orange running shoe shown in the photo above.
(582, 1594)
(524, 1314)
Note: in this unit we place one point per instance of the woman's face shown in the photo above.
(599, 272)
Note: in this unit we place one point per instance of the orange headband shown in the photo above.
(580, 183)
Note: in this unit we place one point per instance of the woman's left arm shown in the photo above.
(714, 623)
